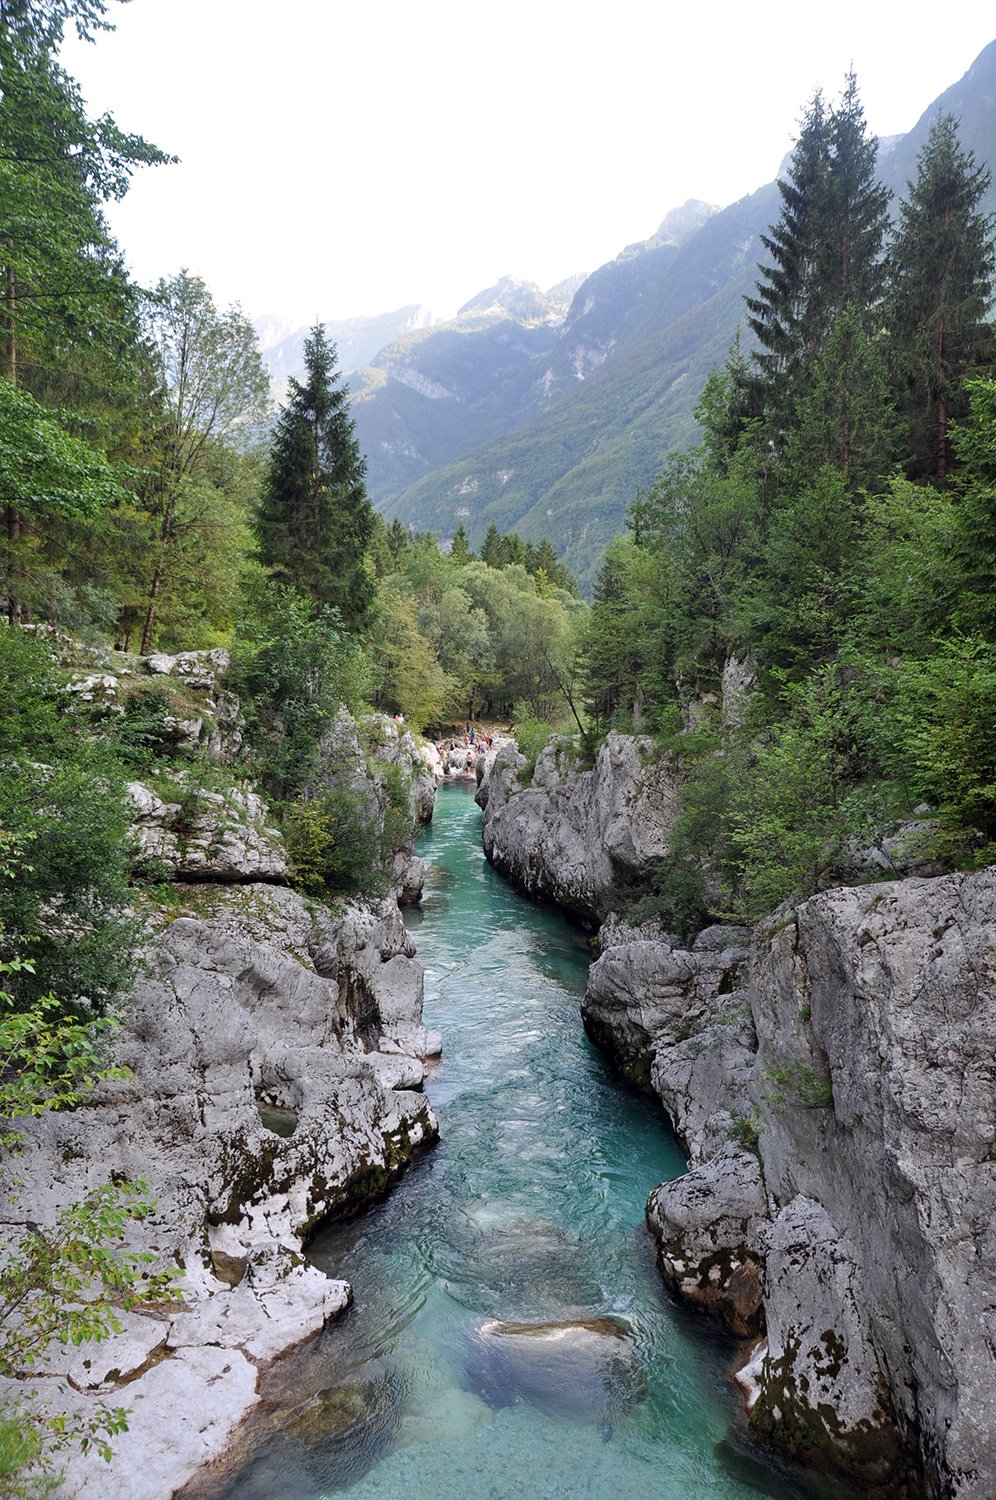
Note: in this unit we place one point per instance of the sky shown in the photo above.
(345, 157)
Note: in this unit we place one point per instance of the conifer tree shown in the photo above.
(315, 519)
(777, 314)
(825, 252)
(845, 417)
(491, 551)
(460, 551)
(940, 284)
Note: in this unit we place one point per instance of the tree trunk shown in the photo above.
(165, 537)
(15, 611)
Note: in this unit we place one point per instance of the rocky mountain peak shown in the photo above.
(679, 224)
(509, 298)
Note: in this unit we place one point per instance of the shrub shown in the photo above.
(294, 671)
(335, 845)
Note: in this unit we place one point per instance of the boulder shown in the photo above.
(206, 835)
(706, 1225)
(588, 1367)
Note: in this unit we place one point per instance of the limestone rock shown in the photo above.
(207, 835)
(250, 995)
(849, 1044)
(822, 1392)
(677, 1018)
(706, 1225)
(587, 1367)
(180, 1418)
(572, 833)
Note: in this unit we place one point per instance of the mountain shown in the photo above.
(614, 387)
(510, 354)
(630, 362)
(431, 396)
(972, 101)
(357, 339)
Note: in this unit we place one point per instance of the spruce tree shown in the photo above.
(460, 551)
(491, 551)
(777, 314)
(825, 252)
(845, 417)
(940, 284)
(315, 519)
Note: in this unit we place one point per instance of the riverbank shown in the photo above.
(829, 1076)
(528, 1215)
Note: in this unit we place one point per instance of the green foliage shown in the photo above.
(908, 585)
(973, 523)
(315, 520)
(693, 884)
(62, 808)
(941, 732)
(410, 678)
(294, 670)
(532, 737)
(334, 844)
(799, 795)
(46, 477)
(70, 896)
(803, 596)
(824, 251)
(940, 288)
(745, 1130)
(798, 1084)
(216, 388)
(47, 1060)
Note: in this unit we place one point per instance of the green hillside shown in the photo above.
(572, 472)
(623, 377)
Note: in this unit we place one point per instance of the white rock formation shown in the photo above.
(571, 833)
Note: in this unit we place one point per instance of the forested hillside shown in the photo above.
(828, 549)
(655, 323)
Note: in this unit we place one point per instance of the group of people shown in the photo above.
(474, 745)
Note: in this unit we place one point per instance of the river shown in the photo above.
(528, 1212)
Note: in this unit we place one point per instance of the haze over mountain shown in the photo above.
(547, 411)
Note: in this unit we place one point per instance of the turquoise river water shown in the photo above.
(529, 1211)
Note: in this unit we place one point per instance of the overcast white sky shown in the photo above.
(351, 156)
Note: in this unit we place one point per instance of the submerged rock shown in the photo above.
(587, 1368)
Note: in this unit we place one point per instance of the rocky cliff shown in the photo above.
(830, 1075)
(568, 833)
(275, 1057)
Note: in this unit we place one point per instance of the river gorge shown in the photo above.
(510, 1333)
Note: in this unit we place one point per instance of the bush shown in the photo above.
(940, 735)
(532, 737)
(335, 845)
(294, 671)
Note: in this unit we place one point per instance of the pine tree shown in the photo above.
(940, 283)
(491, 551)
(825, 252)
(315, 519)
